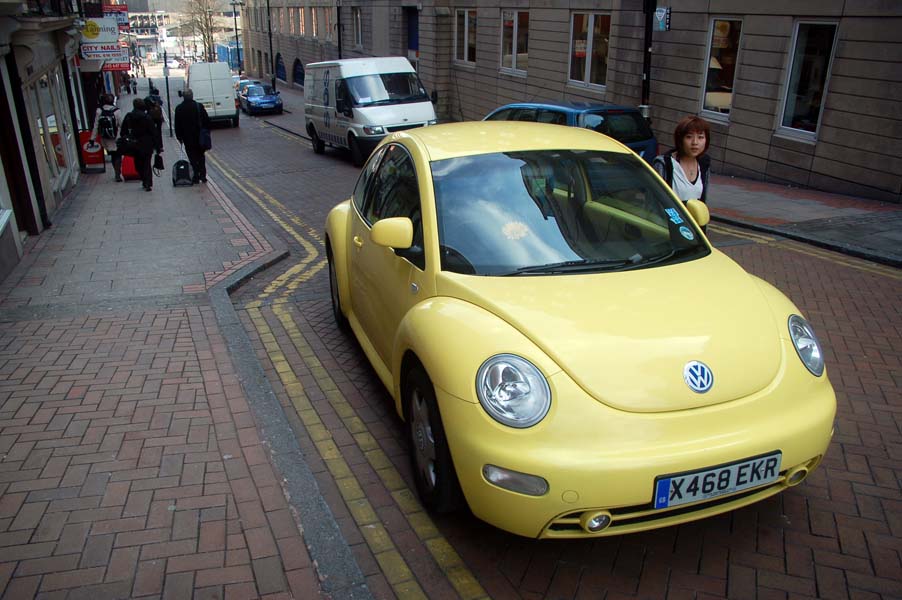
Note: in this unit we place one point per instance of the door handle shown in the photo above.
(358, 241)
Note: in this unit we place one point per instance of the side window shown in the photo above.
(551, 116)
(525, 114)
(341, 92)
(501, 115)
(395, 193)
(365, 179)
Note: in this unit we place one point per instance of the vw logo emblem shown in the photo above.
(698, 376)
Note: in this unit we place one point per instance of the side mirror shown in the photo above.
(434, 97)
(699, 212)
(180, 93)
(396, 232)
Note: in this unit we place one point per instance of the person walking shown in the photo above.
(138, 125)
(106, 125)
(686, 168)
(154, 104)
(190, 118)
(134, 82)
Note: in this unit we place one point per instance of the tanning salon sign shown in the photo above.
(100, 38)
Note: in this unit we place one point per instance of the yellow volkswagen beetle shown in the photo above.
(570, 355)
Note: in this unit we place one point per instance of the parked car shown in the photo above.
(571, 355)
(623, 123)
(256, 99)
(243, 83)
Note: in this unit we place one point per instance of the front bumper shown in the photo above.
(595, 458)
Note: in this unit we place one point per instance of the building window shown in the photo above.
(465, 35)
(327, 22)
(357, 19)
(314, 22)
(514, 39)
(302, 25)
(808, 74)
(589, 53)
(722, 63)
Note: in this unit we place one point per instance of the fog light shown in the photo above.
(593, 522)
(522, 483)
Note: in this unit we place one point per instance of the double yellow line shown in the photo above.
(392, 563)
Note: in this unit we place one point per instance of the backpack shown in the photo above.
(155, 108)
(106, 124)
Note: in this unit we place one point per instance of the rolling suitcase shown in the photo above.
(181, 171)
(129, 171)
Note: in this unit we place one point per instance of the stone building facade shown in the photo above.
(802, 92)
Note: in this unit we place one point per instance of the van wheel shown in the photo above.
(235, 120)
(357, 156)
(319, 146)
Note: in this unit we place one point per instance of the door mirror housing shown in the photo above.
(699, 212)
(434, 97)
(395, 232)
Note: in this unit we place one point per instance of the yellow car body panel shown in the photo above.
(611, 346)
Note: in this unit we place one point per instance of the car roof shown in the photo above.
(573, 106)
(469, 138)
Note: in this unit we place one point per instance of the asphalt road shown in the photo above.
(838, 535)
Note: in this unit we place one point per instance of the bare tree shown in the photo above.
(198, 18)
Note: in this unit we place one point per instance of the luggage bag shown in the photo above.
(129, 171)
(181, 171)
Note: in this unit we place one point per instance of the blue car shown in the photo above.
(623, 123)
(257, 99)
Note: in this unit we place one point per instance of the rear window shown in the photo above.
(626, 127)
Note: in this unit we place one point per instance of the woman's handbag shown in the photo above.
(127, 145)
(158, 164)
(204, 139)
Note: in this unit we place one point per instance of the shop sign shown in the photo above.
(95, 51)
(118, 12)
(100, 31)
(92, 153)
(116, 66)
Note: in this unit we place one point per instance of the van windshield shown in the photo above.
(386, 88)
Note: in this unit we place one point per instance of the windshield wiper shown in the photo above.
(571, 266)
(655, 260)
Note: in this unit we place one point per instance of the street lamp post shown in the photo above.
(272, 59)
(235, 4)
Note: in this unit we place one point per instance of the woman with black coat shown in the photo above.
(138, 125)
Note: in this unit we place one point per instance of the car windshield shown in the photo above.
(557, 211)
(386, 88)
(259, 90)
(623, 126)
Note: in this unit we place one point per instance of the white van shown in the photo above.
(354, 103)
(212, 86)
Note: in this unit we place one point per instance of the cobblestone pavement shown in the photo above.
(130, 461)
(839, 535)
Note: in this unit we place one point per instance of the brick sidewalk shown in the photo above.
(130, 463)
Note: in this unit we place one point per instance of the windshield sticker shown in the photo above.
(675, 217)
(687, 233)
(515, 230)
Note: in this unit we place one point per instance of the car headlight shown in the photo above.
(513, 391)
(806, 345)
(373, 129)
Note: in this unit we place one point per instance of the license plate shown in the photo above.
(208, 105)
(674, 490)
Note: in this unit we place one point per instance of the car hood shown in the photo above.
(396, 114)
(626, 337)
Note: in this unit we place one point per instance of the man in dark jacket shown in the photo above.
(189, 118)
(138, 125)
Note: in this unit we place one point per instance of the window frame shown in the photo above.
(357, 23)
(712, 115)
(466, 11)
(590, 46)
(792, 132)
(512, 70)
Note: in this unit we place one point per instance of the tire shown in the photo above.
(235, 120)
(319, 146)
(339, 316)
(357, 156)
(430, 457)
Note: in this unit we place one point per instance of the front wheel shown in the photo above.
(339, 316)
(319, 146)
(357, 156)
(430, 457)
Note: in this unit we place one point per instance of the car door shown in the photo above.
(385, 283)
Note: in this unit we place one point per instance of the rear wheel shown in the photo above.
(357, 156)
(430, 457)
(319, 146)
(235, 120)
